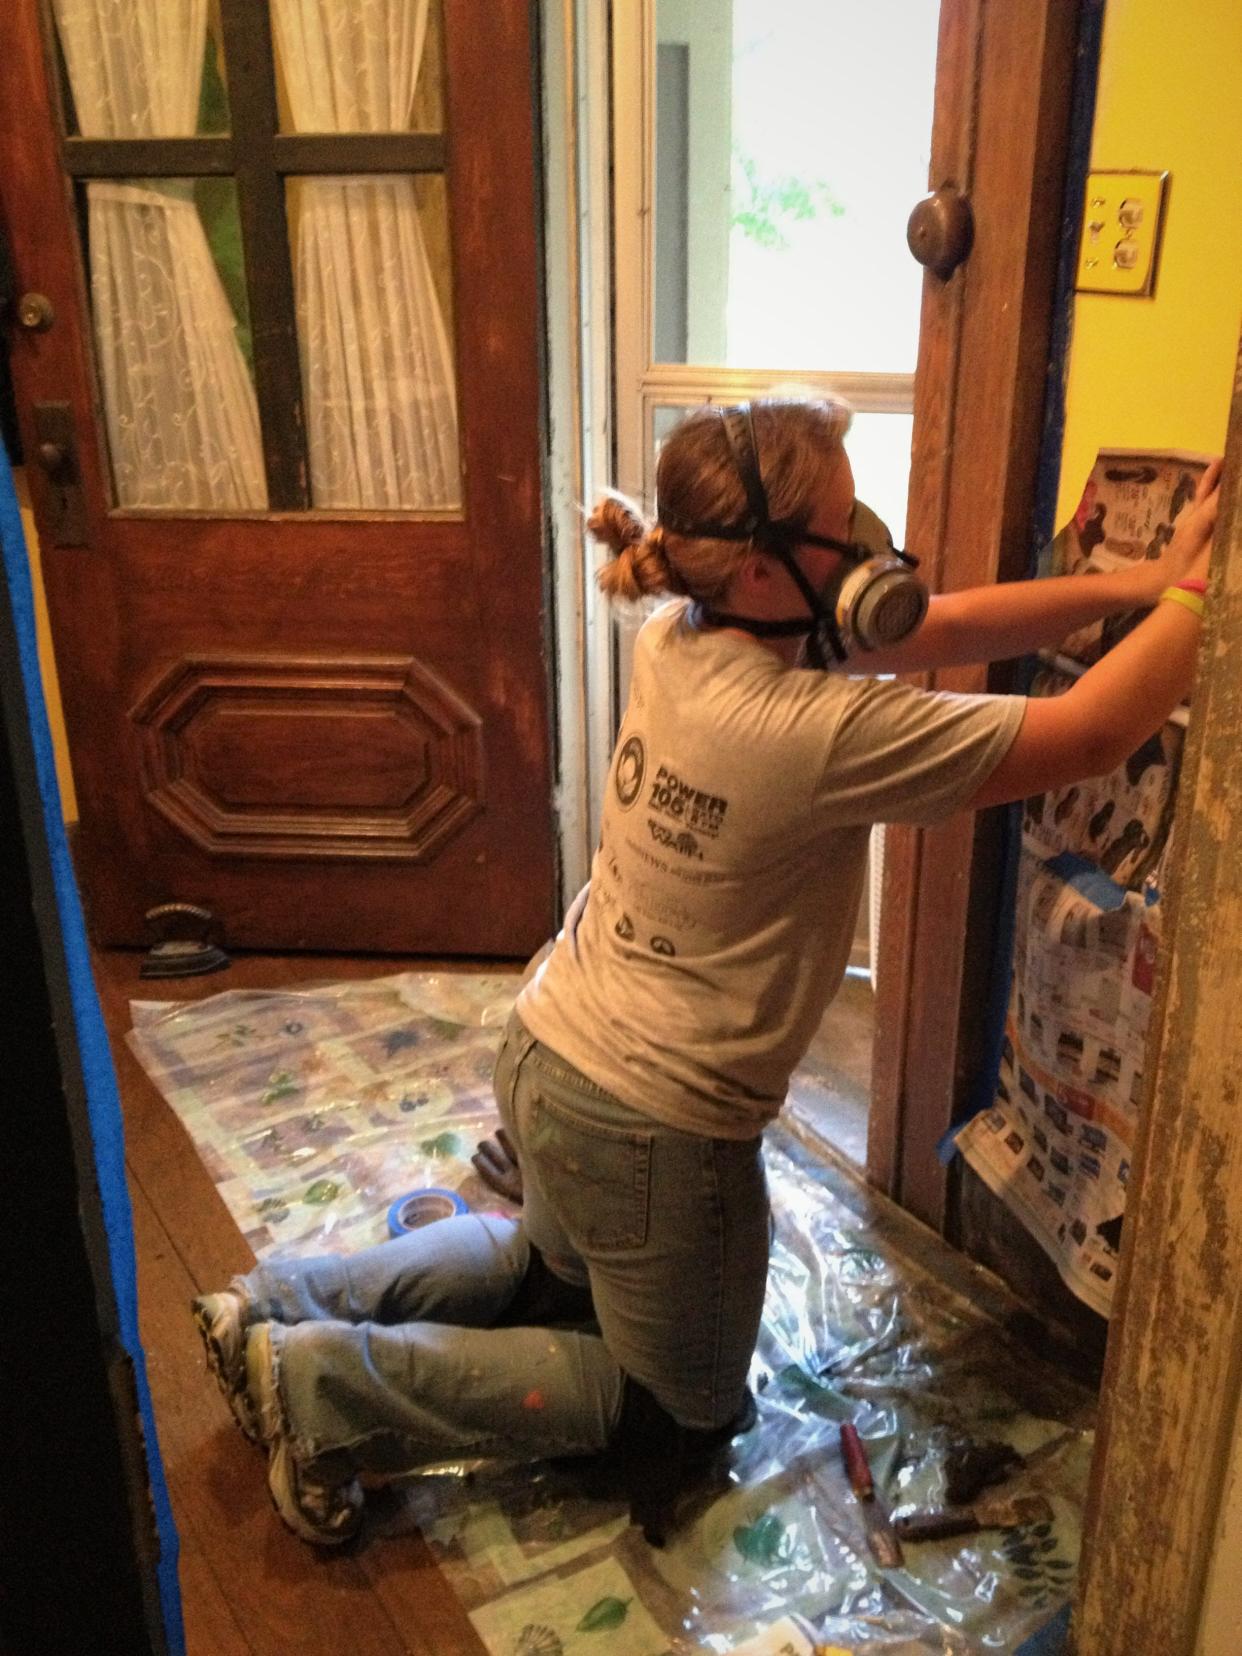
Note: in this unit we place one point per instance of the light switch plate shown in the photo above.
(1123, 216)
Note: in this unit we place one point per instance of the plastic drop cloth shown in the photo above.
(315, 1109)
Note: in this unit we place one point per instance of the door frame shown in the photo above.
(1159, 1562)
(116, 1563)
(1005, 77)
(577, 247)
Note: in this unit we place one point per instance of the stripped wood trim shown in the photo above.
(1174, 1366)
(983, 373)
(952, 147)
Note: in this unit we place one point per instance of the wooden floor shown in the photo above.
(247, 1585)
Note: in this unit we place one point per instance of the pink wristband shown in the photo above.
(1192, 586)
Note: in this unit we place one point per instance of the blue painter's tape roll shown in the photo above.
(423, 1207)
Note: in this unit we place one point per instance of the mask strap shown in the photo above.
(738, 425)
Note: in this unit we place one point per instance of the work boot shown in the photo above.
(660, 1460)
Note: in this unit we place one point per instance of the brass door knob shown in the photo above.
(35, 313)
(54, 458)
(941, 231)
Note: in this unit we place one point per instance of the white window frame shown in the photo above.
(642, 384)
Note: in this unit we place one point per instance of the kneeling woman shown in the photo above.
(656, 1041)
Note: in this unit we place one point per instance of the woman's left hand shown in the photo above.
(1185, 555)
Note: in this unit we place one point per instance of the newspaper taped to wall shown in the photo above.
(1119, 822)
(1057, 1143)
(1126, 514)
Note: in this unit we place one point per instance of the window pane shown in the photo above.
(879, 449)
(370, 263)
(359, 65)
(120, 80)
(172, 340)
(792, 140)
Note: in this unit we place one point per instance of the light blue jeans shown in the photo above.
(392, 1358)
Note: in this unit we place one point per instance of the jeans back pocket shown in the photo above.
(596, 1177)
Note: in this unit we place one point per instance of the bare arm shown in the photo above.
(997, 623)
(1121, 701)
(1105, 715)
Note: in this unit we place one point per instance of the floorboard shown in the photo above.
(248, 1586)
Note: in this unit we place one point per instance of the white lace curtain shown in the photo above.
(183, 425)
(381, 409)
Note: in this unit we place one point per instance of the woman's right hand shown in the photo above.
(1187, 554)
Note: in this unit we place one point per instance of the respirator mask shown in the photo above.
(876, 600)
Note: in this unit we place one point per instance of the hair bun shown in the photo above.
(617, 523)
(639, 565)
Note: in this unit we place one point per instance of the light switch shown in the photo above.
(1123, 215)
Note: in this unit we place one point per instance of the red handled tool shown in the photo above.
(881, 1537)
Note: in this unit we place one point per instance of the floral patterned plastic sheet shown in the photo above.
(315, 1109)
(384, 1087)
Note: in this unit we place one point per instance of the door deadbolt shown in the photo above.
(35, 313)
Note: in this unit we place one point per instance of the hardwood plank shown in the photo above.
(211, 1629)
(164, 1166)
(187, 1242)
(280, 1590)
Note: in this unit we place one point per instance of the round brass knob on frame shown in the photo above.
(35, 313)
(941, 231)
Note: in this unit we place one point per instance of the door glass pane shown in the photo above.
(130, 69)
(879, 449)
(792, 140)
(172, 340)
(370, 265)
(359, 65)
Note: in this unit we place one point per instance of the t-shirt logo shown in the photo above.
(631, 768)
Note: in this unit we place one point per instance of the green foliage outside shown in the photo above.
(768, 205)
(216, 200)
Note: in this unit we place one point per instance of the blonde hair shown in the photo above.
(697, 481)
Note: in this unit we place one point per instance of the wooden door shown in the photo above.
(298, 613)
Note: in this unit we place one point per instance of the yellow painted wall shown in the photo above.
(47, 665)
(1159, 371)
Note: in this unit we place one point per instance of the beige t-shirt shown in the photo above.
(694, 968)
